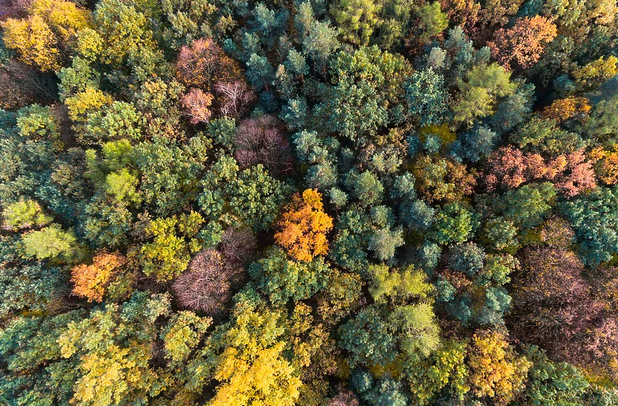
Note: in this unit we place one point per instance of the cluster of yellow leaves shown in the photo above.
(303, 227)
(43, 38)
(564, 109)
(89, 100)
(596, 72)
(606, 166)
(495, 370)
(252, 368)
(442, 131)
(91, 281)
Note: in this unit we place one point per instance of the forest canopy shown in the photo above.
(308, 202)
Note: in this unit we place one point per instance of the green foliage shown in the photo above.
(50, 243)
(283, 278)
(168, 255)
(553, 383)
(25, 213)
(479, 93)
(38, 123)
(366, 86)
(594, 219)
(453, 223)
(426, 96)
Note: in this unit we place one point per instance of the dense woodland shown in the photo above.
(308, 202)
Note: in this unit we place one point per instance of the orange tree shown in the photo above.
(303, 227)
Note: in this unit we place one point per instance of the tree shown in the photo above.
(527, 206)
(113, 349)
(49, 243)
(441, 179)
(174, 240)
(29, 288)
(357, 18)
(366, 187)
(496, 372)
(203, 63)
(303, 227)
(553, 303)
(44, 39)
(594, 219)
(25, 214)
(91, 281)
(283, 279)
(479, 93)
(426, 96)
(262, 141)
(552, 382)
(522, 45)
(366, 86)
(183, 334)
(196, 104)
(443, 371)
(432, 20)
(453, 223)
(369, 339)
(398, 285)
(208, 283)
(595, 73)
(384, 241)
(251, 367)
(467, 258)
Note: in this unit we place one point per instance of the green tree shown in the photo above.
(50, 243)
(357, 19)
(174, 240)
(283, 278)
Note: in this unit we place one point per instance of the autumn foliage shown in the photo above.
(91, 281)
(572, 173)
(203, 63)
(522, 45)
(303, 227)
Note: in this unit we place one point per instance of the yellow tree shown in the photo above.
(91, 281)
(303, 227)
(44, 38)
(252, 368)
(496, 371)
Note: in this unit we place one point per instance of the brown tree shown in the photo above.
(203, 63)
(262, 141)
(207, 285)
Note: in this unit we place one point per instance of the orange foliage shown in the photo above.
(303, 227)
(523, 44)
(92, 280)
(564, 109)
(204, 63)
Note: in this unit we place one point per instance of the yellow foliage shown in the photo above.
(84, 102)
(264, 380)
(596, 72)
(91, 281)
(304, 226)
(442, 131)
(606, 166)
(495, 370)
(43, 39)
